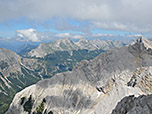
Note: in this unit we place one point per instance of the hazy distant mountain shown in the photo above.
(92, 87)
(23, 51)
(11, 44)
(15, 45)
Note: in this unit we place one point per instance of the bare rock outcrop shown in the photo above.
(134, 105)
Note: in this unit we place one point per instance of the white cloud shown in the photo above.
(27, 35)
(78, 36)
(122, 27)
(68, 35)
(102, 35)
(135, 35)
(129, 15)
(63, 35)
(32, 35)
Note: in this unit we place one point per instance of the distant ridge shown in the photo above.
(68, 45)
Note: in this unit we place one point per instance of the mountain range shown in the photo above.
(94, 86)
(69, 45)
(20, 71)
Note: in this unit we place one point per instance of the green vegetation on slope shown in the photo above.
(18, 82)
(6, 100)
(65, 61)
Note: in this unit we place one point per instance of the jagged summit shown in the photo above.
(65, 40)
(142, 40)
(63, 44)
(83, 39)
(86, 44)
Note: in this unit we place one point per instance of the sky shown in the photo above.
(74, 18)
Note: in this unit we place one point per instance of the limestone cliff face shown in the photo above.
(134, 105)
(93, 87)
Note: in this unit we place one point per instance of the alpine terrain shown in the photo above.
(95, 86)
(16, 73)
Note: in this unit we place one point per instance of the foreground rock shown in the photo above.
(93, 87)
(133, 105)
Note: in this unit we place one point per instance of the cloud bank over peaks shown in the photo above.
(27, 35)
(32, 35)
(69, 35)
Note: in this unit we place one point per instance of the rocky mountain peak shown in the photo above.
(64, 44)
(142, 40)
(83, 40)
(65, 40)
(86, 44)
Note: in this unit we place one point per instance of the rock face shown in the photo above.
(133, 105)
(16, 73)
(92, 87)
(68, 45)
(13, 68)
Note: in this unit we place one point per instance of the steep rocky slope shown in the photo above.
(134, 105)
(15, 74)
(92, 87)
